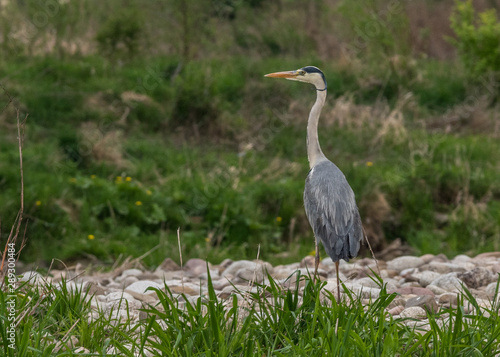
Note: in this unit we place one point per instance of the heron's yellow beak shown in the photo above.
(287, 75)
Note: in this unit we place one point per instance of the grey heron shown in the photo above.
(328, 199)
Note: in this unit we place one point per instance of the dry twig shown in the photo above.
(16, 227)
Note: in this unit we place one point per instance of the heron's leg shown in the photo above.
(338, 280)
(316, 259)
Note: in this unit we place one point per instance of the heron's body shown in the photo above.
(332, 212)
(328, 199)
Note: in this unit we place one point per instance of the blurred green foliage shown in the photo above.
(478, 37)
(120, 33)
(180, 130)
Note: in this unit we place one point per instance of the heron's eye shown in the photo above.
(301, 72)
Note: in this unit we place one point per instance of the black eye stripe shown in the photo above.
(312, 69)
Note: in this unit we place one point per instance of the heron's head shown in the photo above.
(309, 74)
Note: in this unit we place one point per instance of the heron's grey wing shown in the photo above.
(332, 212)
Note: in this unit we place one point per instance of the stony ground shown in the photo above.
(425, 282)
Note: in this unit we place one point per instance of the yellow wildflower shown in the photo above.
(369, 163)
(93, 176)
(138, 203)
(279, 219)
(38, 203)
(128, 178)
(91, 236)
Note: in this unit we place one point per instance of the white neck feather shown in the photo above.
(314, 153)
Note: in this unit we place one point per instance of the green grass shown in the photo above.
(221, 154)
(271, 321)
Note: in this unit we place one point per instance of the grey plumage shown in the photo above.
(332, 212)
(328, 198)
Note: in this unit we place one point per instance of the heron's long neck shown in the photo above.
(314, 152)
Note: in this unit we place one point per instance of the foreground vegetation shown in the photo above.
(270, 322)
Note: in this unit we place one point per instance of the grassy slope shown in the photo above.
(172, 125)
(221, 154)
